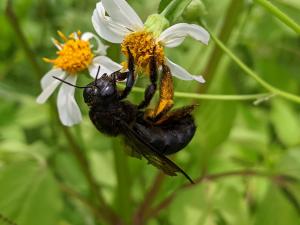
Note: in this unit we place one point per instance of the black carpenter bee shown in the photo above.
(151, 133)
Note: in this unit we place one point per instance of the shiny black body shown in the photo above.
(113, 115)
(167, 138)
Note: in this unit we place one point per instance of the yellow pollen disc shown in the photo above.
(142, 45)
(75, 56)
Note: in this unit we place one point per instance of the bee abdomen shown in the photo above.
(169, 138)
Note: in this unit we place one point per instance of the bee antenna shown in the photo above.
(63, 81)
(98, 71)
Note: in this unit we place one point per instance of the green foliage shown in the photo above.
(173, 9)
(29, 194)
(286, 121)
(279, 212)
(248, 154)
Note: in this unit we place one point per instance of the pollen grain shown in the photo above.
(143, 46)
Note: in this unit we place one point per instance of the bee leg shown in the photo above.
(130, 76)
(176, 114)
(120, 76)
(166, 95)
(151, 89)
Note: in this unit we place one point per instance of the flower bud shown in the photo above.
(194, 11)
(156, 23)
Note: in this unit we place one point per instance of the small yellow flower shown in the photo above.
(75, 55)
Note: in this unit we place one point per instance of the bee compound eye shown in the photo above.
(88, 94)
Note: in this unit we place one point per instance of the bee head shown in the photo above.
(102, 91)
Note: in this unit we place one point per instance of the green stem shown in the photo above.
(174, 9)
(233, 12)
(72, 193)
(12, 18)
(214, 177)
(6, 220)
(212, 96)
(170, 7)
(250, 97)
(108, 213)
(222, 97)
(149, 198)
(252, 74)
(279, 14)
(123, 195)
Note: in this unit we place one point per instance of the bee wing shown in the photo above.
(151, 154)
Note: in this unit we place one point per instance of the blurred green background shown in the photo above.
(245, 157)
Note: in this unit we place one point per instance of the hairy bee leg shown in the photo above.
(130, 76)
(151, 89)
(166, 95)
(176, 114)
(119, 76)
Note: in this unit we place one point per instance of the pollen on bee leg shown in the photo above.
(166, 95)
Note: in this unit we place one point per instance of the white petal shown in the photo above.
(121, 12)
(101, 48)
(106, 66)
(175, 35)
(181, 73)
(49, 84)
(76, 37)
(56, 44)
(48, 77)
(68, 110)
(93, 69)
(106, 28)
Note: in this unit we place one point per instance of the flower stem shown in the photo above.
(279, 14)
(123, 191)
(150, 196)
(254, 75)
(213, 177)
(12, 18)
(174, 9)
(108, 213)
(170, 7)
(233, 13)
(249, 97)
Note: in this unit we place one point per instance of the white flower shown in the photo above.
(75, 55)
(116, 22)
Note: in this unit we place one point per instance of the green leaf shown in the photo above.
(29, 195)
(123, 192)
(215, 119)
(275, 209)
(290, 163)
(231, 205)
(194, 211)
(286, 122)
(173, 9)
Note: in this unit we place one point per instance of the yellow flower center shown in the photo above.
(143, 45)
(74, 56)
